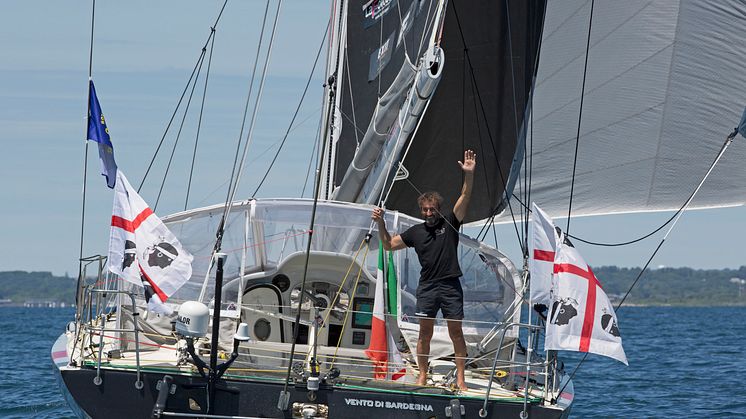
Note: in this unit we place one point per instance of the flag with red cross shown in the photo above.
(543, 241)
(581, 317)
(143, 251)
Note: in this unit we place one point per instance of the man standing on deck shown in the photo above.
(435, 241)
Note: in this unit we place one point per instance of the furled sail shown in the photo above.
(490, 49)
(485, 64)
(665, 85)
(381, 46)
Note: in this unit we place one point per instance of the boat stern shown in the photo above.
(61, 361)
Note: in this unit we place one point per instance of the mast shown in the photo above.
(78, 289)
(331, 100)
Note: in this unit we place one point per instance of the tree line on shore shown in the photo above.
(662, 286)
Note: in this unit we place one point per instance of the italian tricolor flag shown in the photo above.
(382, 349)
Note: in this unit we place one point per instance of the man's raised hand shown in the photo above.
(469, 162)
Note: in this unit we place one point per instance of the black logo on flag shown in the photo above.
(130, 253)
(564, 310)
(609, 324)
(161, 255)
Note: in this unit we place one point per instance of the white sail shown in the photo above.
(665, 85)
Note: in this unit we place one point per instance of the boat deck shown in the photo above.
(167, 359)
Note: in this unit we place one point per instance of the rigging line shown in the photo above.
(90, 51)
(311, 160)
(639, 275)
(487, 183)
(85, 164)
(529, 159)
(352, 98)
(403, 36)
(379, 76)
(246, 105)
(482, 233)
(677, 216)
(481, 150)
(463, 119)
(515, 106)
(178, 104)
(384, 193)
(335, 92)
(199, 121)
(351, 298)
(267, 149)
(535, 69)
(171, 120)
(407, 57)
(314, 113)
(580, 115)
(178, 134)
(316, 194)
(250, 135)
(494, 234)
(608, 31)
(528, 113)
(404, 157)
(347, 117)
(677, 213)
(297, 109)
(484, 115)
(425, 29)
(383, 197)
(592, 243)
(235, 176)
(534, 73)
(337, 298)
(419, 192)
(442, 23)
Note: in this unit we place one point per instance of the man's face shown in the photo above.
(430, 212)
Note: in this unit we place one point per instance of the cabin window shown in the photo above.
(362, 317)
(262, 329)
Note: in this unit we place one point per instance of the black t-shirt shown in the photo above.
(436, 247)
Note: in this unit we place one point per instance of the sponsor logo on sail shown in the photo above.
(374, 10)
(380, 57)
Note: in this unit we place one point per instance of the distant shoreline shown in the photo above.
(681, 305)
(661, 287)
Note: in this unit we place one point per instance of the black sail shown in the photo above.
(480, 104)
(379, 33)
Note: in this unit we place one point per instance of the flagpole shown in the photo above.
(284, 398)
(85, 161)
(529, 343)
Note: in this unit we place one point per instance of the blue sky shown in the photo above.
(143, 54)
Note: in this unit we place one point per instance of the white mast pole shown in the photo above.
(331, 119)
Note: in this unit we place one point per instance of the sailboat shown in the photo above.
(276, 317)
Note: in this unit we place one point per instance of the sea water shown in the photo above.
(683, 362)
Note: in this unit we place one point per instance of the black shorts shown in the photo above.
(445, 295)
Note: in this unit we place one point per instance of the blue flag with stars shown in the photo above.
(98, 132)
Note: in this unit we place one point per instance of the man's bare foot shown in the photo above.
(422, 380)
(462, 386)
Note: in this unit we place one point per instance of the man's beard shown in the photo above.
(432, 220)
